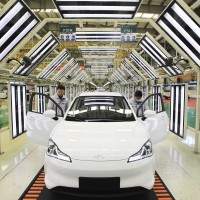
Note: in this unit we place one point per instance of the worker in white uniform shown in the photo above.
(60, 99)
(136, 101)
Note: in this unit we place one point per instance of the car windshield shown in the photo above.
(100, 109)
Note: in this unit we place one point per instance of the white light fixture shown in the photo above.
(183, 26)
(98, 9)
(64, 70)
(17, 20)
(158, 54)
(96, 50)
(18, 109)
(143, 64)
(38, 53)
(40, 99)
(54, 64)
(130, 68)
(177, 109)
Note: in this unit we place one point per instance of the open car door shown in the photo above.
(40, 121)
(155, 119)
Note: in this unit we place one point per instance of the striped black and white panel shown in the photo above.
(54, 64)
(177, 109)
(157, 53)
(98, 36)
(70, 75)
(98, 9)
(156, 103)
(16, 21)
(18, 109)
(64, 70)
(96, 50)
(183, 26)
(38, 53)
(40, 103)
(129, 67)
(142, 64)
(172, 70)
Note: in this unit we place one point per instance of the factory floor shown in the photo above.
(176, 164)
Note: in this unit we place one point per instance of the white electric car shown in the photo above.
(100, 144)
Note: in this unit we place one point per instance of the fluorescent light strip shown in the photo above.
(168, 73)
(97, 40)
(143, 66)
(24, 107)
(17, 39)
(14, 28)
(129, 67)
(100, 49)
(150, 54)
(155, 47)
(182, 111)
(98, 8)
(19, 108)
(13, 100)
(60, 60)
(97, 15)
(64, 71)
(54, 65)
(154, 52)
(186, 19)
(41, 46)
(182, 31)
(192, 55)
(170, 69)
(98, 33)
(99, 36)
(12, 13)
(176, 109)
(132, 1)
(39, 56)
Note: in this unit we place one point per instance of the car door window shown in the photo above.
(39, 103)
(152, 102)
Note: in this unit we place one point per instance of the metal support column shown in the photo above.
(197, 131)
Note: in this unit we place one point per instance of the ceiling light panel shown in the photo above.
(98, 36)
(37, 54)
(96, 50)
(182, 25)
(140, 62)
(158, 54)
(54, 64)
(129, 68)
(115, 9)
(64, 70)
(16, 21)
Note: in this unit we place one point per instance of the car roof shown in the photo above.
(116, 94)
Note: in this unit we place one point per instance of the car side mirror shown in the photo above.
(149, 113)
(49, 113)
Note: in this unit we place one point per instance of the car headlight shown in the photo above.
(55, 152)
(144, 152)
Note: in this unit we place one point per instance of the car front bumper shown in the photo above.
(65, 174)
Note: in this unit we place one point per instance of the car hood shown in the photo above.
(99, 141)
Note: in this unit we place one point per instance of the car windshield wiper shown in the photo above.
(75, 119)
